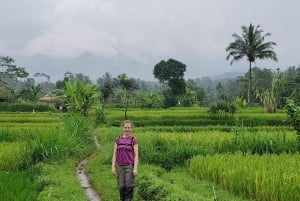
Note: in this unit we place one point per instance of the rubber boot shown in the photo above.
(122, 194)
(129, 194)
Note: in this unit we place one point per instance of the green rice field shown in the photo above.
(185, 154)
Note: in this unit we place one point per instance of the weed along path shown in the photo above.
(84, 179)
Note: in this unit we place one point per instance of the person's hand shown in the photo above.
(134, 172)
(113, 171)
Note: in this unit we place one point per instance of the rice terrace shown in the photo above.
(185, 154)
(223, 139)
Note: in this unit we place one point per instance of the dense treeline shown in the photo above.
(269, 89)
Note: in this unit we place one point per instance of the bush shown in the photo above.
(223, 107)
(150, 190)
(25, 107)
(100, 116)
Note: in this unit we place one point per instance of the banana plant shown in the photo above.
(81, 96)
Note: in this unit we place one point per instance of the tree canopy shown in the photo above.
(172, 73)
(8, 70)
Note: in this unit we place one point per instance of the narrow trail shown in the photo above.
(84, 179)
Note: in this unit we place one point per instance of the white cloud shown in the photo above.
(145, 32)
(141, 31)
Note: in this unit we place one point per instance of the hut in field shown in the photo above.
(48, 99)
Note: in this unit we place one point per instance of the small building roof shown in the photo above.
(47, 98)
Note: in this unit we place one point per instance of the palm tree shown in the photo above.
(251, 45)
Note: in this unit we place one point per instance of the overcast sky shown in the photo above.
(117, 36)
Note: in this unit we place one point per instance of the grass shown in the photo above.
(153, 183)
(55, 178)
(156, 184)
(267, 177)
(40, 142)
(19, 186)
(61, 181)
(10, 155)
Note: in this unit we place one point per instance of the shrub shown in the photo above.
(25, 107)
(223, 107)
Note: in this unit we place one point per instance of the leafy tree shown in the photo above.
(240, 102)
(289, 77)
(8, 70)
(294, 113)
(189, 98)
(107, 85)
(106, 78)
(199, 91)
(220, 90)
(60, 84)
(262, 78)
(6, 94)
(231, 88)
(251, 45)
(30, 91)
(172, 73)
(128, 85)
(107, 90)
(170, 99)
(146, 99)
(291, 84)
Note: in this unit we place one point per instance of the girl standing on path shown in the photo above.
(125, 161)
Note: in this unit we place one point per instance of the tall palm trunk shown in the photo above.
(249, 83)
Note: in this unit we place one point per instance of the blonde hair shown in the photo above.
(127, 122)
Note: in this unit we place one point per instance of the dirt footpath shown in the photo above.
(84, 179)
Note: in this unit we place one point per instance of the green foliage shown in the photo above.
(267, 177)
(45, 144)
(151, 190)
(25, 107)
(100, 115)
(8, 70)
(149, 100)
(251, 45)
(153, 182)
(12, 156)
(294, 112)
(81, 96)
(42, 149)
(240, 102)
(165, 71)
(270, 98)
(59, 181)
(19, 186)
(171, 72)
(76, 126)
(30, 92)
(6, 95)
(174, 148)
(198, 116)
(291, 84)
(189, 98)
(170, 99)
(128, 85)
(169, 150)
(222, 107)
